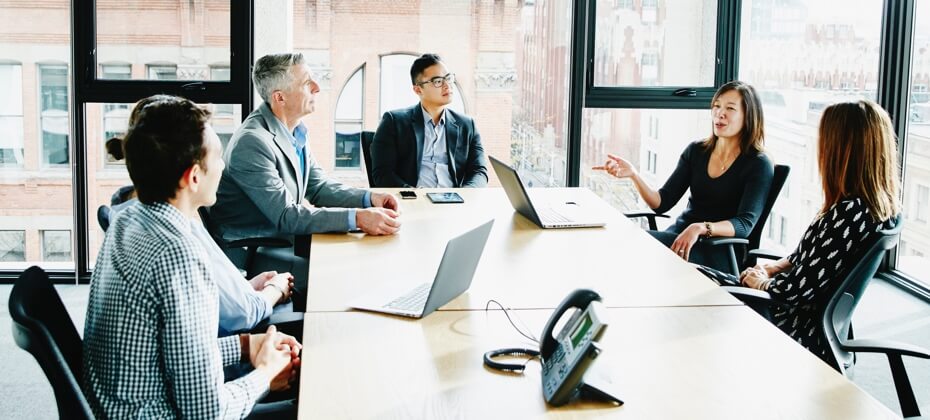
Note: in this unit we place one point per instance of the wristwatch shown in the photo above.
(710, 230)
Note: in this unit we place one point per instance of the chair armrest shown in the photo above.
(650, 216)
(256, 242)
(725, 241)
(751, 296)
(886, 347)
(766, 254)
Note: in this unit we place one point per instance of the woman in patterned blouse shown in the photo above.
(857, 158)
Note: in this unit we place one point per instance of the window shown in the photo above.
(191, 33)
(922, 203)
(795, 53)
(56, 245)
(669, 45)
(11, 115)
(349, 122)
(162, 72)
(115, 116)
(913, 260)
(12, 246)
(619, 131)
(53, 108)
(511, 61)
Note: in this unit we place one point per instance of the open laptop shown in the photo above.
(456, 270)
(567, 215)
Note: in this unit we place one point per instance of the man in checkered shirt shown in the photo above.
(150, 346)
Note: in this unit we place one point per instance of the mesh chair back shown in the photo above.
(839, 307)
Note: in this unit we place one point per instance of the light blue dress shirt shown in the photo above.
(241, 306)
(298, 139)
(434, 166)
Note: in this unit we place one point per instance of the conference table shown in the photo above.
(676, 346)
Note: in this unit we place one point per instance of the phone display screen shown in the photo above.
(445, 197)
(581, 329)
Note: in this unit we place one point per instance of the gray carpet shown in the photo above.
(885, 312)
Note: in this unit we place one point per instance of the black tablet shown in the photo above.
(445, 197)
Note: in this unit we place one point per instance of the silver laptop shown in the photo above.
(565, 215)
(456, 270)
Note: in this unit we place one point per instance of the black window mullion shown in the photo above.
(894, 78)
(669, 97)
(728, 31)
(581, 34)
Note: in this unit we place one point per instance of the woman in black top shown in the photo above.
(728, 173)
(857, 158)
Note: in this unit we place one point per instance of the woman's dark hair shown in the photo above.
(115, 148)
(165, 139)
(421, 64)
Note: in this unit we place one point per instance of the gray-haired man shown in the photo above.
(271, 177)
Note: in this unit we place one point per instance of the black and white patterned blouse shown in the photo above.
(819, 264)
(150, 346)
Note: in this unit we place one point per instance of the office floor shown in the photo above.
(885, 312)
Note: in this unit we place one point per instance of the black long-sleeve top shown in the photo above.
(738, 195)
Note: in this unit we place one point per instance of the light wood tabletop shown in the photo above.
(523, 266)
(665, 363)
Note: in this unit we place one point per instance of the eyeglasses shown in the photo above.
(437, 81)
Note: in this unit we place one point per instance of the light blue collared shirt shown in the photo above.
(434, 166)
(241, 307)
(298, 139)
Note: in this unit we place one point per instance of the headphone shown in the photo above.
(508, 367)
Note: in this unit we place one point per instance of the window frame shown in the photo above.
(361, 121)
(21, 115)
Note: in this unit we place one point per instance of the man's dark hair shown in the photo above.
(164, 141)
(421, 64)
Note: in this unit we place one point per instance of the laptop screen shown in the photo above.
(516, 193)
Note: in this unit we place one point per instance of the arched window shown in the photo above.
(348, 121)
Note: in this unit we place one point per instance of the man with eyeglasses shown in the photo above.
(428, 145)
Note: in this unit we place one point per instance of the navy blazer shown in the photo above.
(397, 149)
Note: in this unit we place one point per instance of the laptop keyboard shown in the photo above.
(412, 301)
(549, 216)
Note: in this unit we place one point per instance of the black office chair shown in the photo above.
(296, 262)
(836, 314)
(367, 138)
(752, 241)
(42, 327)
(103, 217)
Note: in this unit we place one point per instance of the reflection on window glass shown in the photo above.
(913, 259)
(11, 115)
(348, 122)
(56, 245)
(35, 130)
(12, 245)
(162, 72)
(510, 59)
(802, 56)
(53, 105)
(672, 44)
(650, 139)
(194, 34)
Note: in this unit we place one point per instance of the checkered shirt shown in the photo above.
(150, 346)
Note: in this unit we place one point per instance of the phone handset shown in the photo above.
(567, 357)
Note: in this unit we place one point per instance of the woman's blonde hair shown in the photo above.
(858, 157)
(752, 136)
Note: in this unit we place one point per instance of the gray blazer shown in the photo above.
(260, 193)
